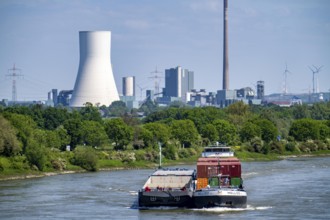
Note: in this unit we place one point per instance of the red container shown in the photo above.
(213, 166)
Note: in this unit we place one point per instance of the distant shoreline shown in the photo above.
(46, 174)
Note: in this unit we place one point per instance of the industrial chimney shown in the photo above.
(225, 80)
(95, 82)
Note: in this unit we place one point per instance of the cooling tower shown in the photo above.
(95, 82)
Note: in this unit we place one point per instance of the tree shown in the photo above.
(160, 132)
(249, 131)
(142, 137)
(320, 111)
(91, 113)
(238, 108)
(117, 108)
(304, 129)
(268, 130)
(210, 132)
(73, 128)
(36, 154)
(324, 131)
(24, 125)
(226, 131)
(300, 111)
(54, 117)
(118, 132)
(185, 132)
(65, 139)
(9, 145)
(93, 133)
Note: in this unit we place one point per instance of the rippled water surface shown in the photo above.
(289, 189)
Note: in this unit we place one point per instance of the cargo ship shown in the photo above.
(168, 187)
(219, 181)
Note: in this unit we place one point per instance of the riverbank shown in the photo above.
(244, 157)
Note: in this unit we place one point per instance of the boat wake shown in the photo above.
(225, 209)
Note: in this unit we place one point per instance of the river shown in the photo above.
(296, 188)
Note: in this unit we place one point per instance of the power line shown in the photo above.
(14, 73)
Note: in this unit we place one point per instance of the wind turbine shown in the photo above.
(285, 86)
(141, 90)
(314, 71)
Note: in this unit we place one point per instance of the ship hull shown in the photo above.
(219, 198)
(165, 198)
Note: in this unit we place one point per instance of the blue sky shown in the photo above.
(41, 37)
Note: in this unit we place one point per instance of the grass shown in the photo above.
(11, 168)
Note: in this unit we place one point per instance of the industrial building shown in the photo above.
(178, 82)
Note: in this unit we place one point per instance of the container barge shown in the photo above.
(219, 181)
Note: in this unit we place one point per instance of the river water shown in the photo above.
(297, 188)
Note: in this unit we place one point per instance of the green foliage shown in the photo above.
(249, 131)
(36, 154)
(300, 111)
(320, 111)
(124, 156)
(324, 131)
(118, 132)
(117, 109)
(210, 132)
(305, 129)
(9, 145)
(73, 127)
(93, 133)
(65, 139)
(91, 113)
(185, 132)
(54, 117)
(170, 152)
(276, 147)
(146, 136)
(268, 129)
(291, 147)
(238, 108)
(226, 132)
(23, 124)
(85, 157)
(32, 137)
(160, 132)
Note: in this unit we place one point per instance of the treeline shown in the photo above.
(37, 137)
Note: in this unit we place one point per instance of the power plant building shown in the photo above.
(95, 81)
(178, 82)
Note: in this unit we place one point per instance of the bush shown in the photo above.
(291, 146)
(276, 147)
(85, 157)
(170, 152)
(59, 164)
(183, 153)
(19, 163)
(140, 155)
(36, 155)
(308, 146)
(257, 144)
